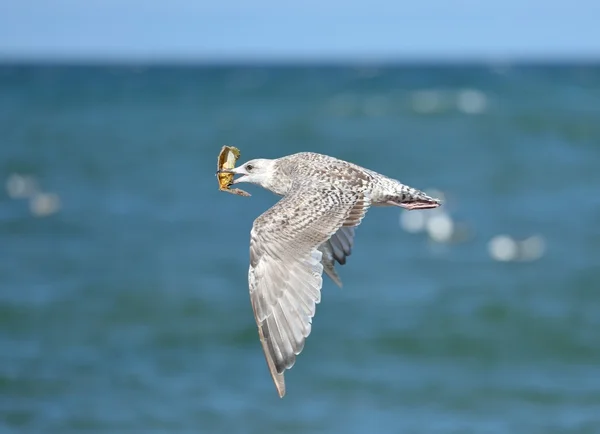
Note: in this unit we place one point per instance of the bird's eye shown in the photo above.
(249, 167)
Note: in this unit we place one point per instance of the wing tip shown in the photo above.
(279, 383)
(330, 271)
(277, 377)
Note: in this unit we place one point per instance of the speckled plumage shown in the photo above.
(305, 233)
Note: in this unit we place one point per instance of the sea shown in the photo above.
(124, 302)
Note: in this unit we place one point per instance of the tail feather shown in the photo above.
(411, 198)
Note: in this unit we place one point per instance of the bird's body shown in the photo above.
(305, 233)
(339, 174)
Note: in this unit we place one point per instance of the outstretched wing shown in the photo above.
(285, 275)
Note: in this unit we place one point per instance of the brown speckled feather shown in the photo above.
(285, 275)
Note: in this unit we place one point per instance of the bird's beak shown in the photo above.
(231, 172)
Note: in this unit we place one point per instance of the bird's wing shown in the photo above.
(328, 262)
(285, 275)
(337, 249)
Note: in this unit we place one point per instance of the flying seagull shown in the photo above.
(303, 234)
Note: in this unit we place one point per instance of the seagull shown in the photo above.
(305, 233)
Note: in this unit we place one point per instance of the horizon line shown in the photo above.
(374, 61)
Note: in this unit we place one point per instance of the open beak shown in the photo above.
(229, 172)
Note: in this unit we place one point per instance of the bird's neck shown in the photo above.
(279, 185)
(279, 182)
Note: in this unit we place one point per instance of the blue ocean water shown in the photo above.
(123, 270)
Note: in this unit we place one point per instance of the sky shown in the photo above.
(231, 30)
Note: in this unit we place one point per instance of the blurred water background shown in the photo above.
(123, 270)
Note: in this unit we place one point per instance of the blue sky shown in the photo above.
(274, 29)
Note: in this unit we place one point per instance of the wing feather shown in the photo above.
(287, 245)
(337, 249)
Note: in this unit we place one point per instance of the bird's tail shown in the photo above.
(411, 198)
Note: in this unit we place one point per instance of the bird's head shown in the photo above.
(258, 171)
